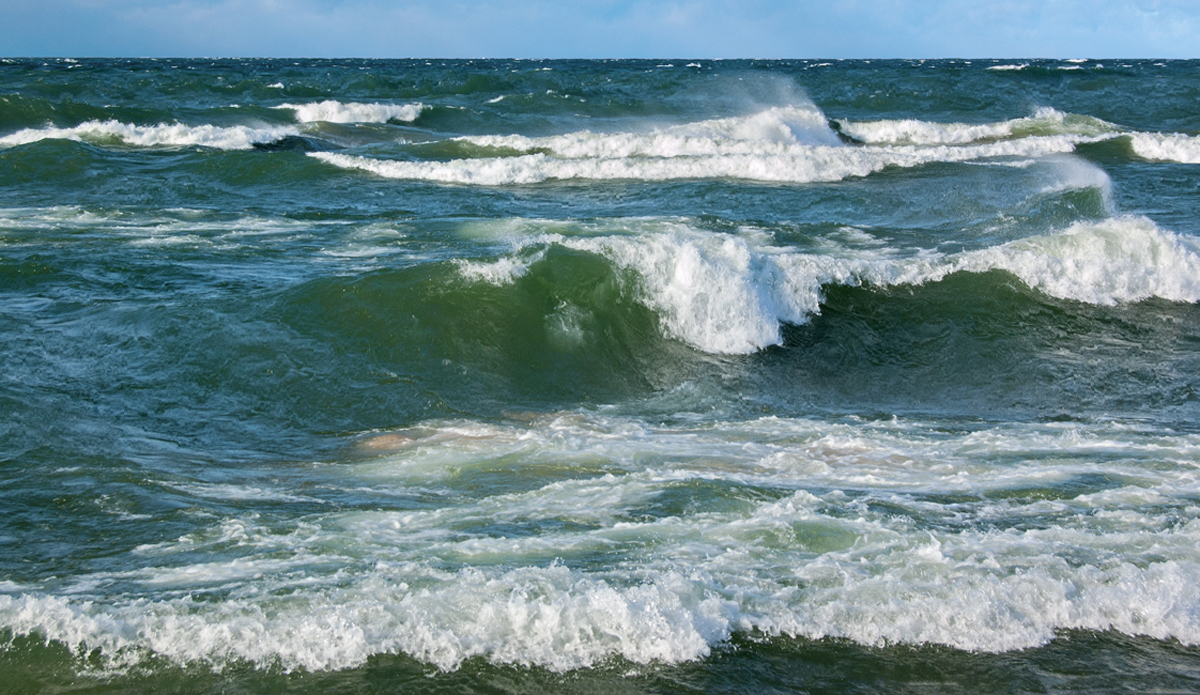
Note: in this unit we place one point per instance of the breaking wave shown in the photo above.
(1167, 147)
(1045, 122)
(331, 111)
(723, 293)
(239, 137)
(662, 158)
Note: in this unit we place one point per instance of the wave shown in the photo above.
(1126, 259)
(239, 137)
(1045, 121)
(782, 144)
(1167, 147)
(727, 294)
(794, 144)
(589, 156)
(562, 620)
(331, 111)
(773, 131)
(813, 528)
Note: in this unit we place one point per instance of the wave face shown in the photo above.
(575, 376)
(725, 293)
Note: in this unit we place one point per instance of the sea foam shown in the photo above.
(817, 557)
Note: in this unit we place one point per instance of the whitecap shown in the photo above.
(239, 137)
(1167, 147)
(1123, 259)
(1044, 121)
(331, 111)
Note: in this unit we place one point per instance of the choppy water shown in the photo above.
(521, 376)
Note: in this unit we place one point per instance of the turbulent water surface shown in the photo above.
(521, 376)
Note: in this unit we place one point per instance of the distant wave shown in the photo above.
(238, 137)
(1045, 122)
(331, 111)
(782, 144)
(686, 160)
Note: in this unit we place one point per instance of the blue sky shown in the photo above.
(603, 28)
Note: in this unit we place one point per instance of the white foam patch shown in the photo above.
(238, 137)
(167, 228)
(331, 111)
(869, 558)
(240, 493)
(724, 293)
(500, 272)
(172, 240)
(1167, 147)
(964, 602)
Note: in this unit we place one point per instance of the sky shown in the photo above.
(602, 28)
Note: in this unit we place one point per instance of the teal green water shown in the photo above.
(633, 376)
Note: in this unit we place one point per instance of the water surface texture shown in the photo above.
(588, 376)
